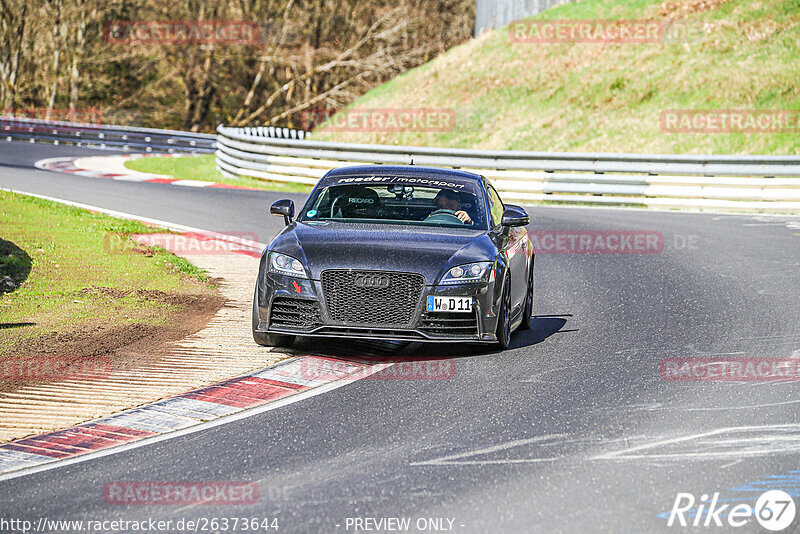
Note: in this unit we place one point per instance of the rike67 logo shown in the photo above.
(774, 511)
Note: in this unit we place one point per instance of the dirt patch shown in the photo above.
(673, 9)
(145, 251)
(173, 299)
(112, 345)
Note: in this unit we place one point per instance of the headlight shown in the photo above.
(283, 264)
(471, 272)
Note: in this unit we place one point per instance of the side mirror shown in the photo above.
(283, 208)
(514, 216)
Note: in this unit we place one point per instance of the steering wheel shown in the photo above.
(444, 216)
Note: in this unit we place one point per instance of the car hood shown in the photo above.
(382, 247)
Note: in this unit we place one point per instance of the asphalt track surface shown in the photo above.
(570, 430)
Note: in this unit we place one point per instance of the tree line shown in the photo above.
(192, 64)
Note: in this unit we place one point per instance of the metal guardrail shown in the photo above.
(104, 136)
(734, 183)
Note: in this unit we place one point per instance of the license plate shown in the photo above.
(450, 304)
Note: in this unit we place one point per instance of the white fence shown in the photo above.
(490, 14)
(730, 183)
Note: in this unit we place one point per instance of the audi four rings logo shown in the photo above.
(372, 280)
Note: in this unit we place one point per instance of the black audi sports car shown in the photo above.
(402, 253)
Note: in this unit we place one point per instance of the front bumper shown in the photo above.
(287, 305)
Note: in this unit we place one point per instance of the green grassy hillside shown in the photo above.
(738, 54)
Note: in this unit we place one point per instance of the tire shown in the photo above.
(527, 312)
(268, 340)
(504, 317)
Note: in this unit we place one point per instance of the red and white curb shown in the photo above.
(113, 168)
(287, 381)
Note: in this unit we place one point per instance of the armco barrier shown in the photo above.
(104, 136)
(729, 183)
(123, 137)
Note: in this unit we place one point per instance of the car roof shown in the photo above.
(402, 170)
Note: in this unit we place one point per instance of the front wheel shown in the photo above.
(267, 340)
(504, 317)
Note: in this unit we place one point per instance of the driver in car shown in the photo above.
(449, 204)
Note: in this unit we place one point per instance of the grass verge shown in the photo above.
(735, 54)
(76, 270)
(204, 168)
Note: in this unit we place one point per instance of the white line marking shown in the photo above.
(726, 408)
(168, 225)
(454, 459)
(625, 454)
(730, 464)
(490, 462)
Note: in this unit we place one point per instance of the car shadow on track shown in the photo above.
(543, 326)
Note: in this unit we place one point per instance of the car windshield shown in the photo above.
(399, 200)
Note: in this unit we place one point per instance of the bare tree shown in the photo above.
(310, 54)
(59, 35)
(13, 19)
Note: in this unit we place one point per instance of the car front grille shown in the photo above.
(450, 324)
(394, 302)
(295, 313)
